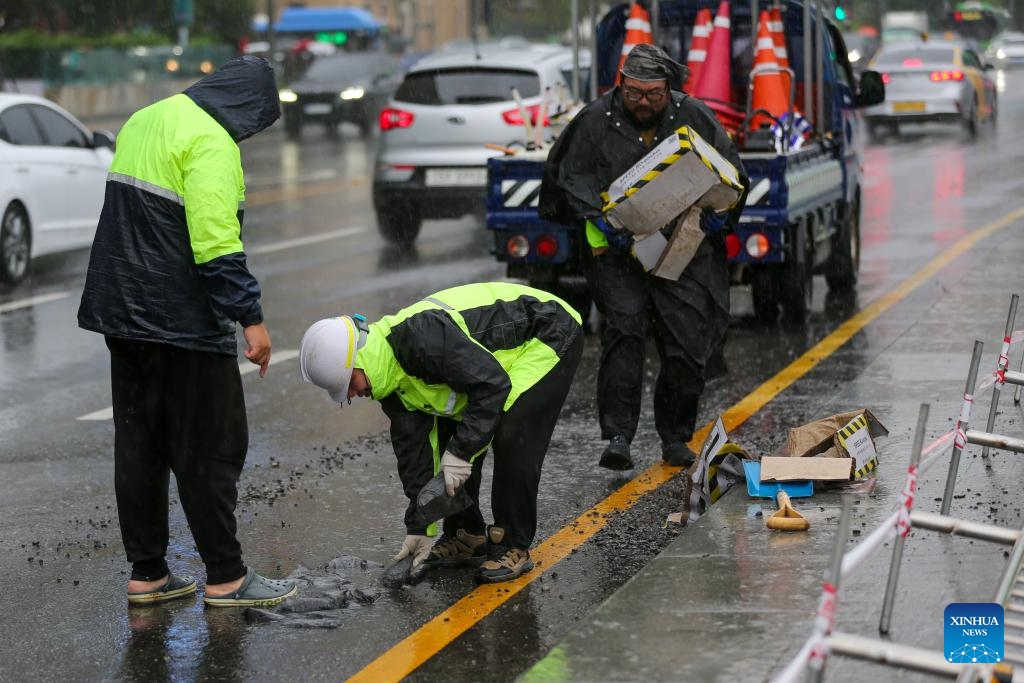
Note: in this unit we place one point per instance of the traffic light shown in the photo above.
(840, 13)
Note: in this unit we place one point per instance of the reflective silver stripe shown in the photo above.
(438, 302)
(147, 187)
(451, 403)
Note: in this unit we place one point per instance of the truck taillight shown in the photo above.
(546, 245)
(757, 246)
(514, 118)
(954, 75)
(886, 78)
(732, 246)
(395, 118)
(518, 246)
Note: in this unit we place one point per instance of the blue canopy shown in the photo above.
(313, 19)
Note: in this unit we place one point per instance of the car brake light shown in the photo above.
(514, 118)
(886, 78)
(732, 246)
(955, 75)
(758, 245)
(395, 118)
(547, 246)
(518, 246)
(913, 62)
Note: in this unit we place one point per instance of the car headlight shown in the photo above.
(853, 56)
(287, 95)
(1001, 53)
(352, 93)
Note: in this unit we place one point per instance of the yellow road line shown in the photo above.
(407, 655)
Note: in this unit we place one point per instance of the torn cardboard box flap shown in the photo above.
(801, 469)
(845, 435)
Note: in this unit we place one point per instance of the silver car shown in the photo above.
(932, 81)
(1006, 50)
(432, 159)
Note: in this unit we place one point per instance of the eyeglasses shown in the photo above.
(653, 96)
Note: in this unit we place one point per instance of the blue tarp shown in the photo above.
(313, 19)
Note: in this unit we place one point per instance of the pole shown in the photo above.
(592, 79)
(819, 60)
(960, 437)
(1004, 360)
(575, 33)
(897, 550)
(808, 73)
(655, 14)
(270, 32)
(825, 620)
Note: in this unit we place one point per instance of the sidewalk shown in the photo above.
(731, 601)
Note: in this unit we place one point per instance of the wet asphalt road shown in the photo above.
(320, 483)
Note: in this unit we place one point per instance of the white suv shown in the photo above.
(432, 159)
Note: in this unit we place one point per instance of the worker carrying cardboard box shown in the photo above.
(690, 313)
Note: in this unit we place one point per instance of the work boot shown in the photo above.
(677, 454)
(461, 550)
(616, 455)
(504, 562)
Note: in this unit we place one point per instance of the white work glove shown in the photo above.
(415, 545)
(456, 472)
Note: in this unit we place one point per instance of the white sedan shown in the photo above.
(53, 172)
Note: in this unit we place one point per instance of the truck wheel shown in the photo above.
(399, 224)
(845, 262)
(796, 279)
(15, 243)
(764, 290)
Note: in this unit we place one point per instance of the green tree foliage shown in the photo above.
(219, 20)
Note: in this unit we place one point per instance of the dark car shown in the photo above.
(347, 86)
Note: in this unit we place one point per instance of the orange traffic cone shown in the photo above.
(638, 30)
(778, 30)
(698, 47)
(770, 93)
(714, 82)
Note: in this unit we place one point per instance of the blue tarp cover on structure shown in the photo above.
(311, 19)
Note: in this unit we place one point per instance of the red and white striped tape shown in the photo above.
(907, 501)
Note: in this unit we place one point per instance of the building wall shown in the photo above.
(426, 24)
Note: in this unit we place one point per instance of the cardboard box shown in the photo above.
(682, 171)
(668, 257)
(848, 435)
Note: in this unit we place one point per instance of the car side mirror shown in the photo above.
(102, 138)
(872, 89)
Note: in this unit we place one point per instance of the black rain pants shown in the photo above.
(689, 321)
(181, 411)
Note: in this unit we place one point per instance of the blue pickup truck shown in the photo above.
(802, 213)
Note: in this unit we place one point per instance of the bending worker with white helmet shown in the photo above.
(486, 364)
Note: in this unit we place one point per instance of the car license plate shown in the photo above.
(907, 106)
(456, 177)
(317, 108)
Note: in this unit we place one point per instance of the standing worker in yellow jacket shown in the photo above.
(167, 282)
(472, 367)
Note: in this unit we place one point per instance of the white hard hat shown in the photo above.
(328, 352)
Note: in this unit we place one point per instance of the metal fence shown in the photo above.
(108, 66)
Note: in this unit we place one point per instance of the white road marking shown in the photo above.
(33, 301)
(244, 368)
(302, 241)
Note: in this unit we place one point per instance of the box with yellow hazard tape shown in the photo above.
(681, 171)
(850, 435)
